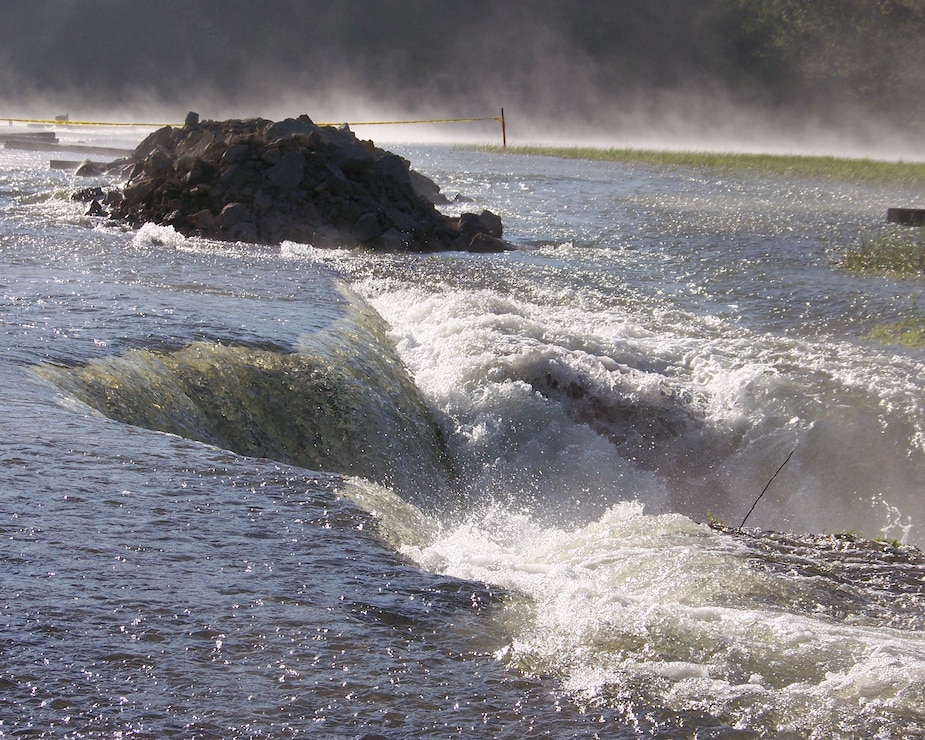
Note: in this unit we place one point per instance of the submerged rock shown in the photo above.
(265, 182)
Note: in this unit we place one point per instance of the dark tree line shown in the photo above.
(872, 51)
(430, 55)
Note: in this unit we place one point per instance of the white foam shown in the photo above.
(663, 607)
(157, 236)
(662, 408)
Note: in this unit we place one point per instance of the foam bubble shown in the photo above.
(157, 236)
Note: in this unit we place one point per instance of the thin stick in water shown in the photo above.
(767, 487)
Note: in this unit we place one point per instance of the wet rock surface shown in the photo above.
(266, 182)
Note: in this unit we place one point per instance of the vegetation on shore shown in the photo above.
(870, 171)
(908, 332)
(898, 253)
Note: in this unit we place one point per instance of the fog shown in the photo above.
(669, 73)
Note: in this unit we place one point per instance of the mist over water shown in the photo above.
(679, 75)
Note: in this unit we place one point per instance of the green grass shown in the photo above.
(899, 253)
(896, 253)
(834, 168)
(909, 333)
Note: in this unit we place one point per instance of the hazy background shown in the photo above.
(826, 75)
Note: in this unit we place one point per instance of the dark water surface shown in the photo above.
(536, 437)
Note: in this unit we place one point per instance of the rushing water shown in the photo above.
(287, 492)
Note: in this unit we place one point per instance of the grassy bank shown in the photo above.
(834, 168)
(899, 253)
(909, 332)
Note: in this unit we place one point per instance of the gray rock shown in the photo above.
(484, 243)
(355, 160)
(235, 153)
(90, 169)
(233, 213)
(157, 163)
(270, 182)
(286, 128)
(367, 227)
(491, 222)
(243, 231)
(202, 220)
(400, 219)
(427, 188)
(288, 172)
(394, 167)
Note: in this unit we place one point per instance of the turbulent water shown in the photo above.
(289, 492)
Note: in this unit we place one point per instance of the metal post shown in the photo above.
(503, 130)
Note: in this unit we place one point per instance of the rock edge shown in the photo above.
(266, 182)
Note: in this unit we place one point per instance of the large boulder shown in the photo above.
(266, 182)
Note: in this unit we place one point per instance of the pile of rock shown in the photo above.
(264, 182)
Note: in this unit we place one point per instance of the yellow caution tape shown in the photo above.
(56, 122)
(426, 120)
(65, 122)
